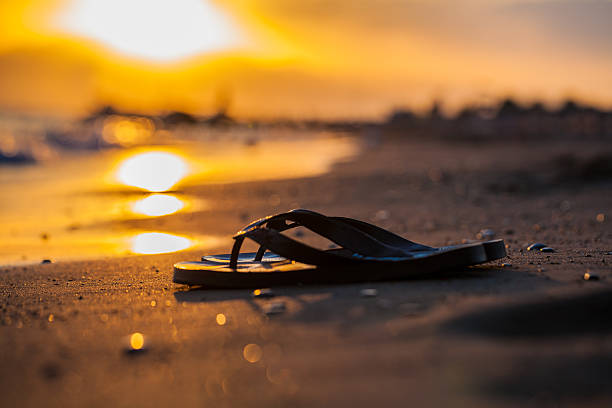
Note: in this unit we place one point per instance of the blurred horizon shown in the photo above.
(266, 59)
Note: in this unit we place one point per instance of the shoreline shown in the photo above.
(423, 342)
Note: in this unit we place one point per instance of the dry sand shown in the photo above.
(530, 334)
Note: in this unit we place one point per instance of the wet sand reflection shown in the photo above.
(154, 171)
(156, 205)
(158, 243)
(104, 203)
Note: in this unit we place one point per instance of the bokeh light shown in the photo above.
(158, 243)
(136, 341)
(252, 353)
(154, 171)
(157, 205)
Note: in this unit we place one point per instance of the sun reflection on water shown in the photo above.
(154, 171)
(158, 243)
(157, 205)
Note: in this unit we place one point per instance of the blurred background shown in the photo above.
(104, 104)
(308, 59)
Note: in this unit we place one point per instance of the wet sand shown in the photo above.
(531, 334)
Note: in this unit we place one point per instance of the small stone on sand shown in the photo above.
(536, 246)
(46, 261)
(370, 292)
(485, 234)
(381, 215)
(274, 308)
(263, 293)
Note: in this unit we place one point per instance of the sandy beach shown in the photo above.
(137, 134)
(533, 332)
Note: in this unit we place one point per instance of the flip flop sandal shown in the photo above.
(495, 249)
(360, 258)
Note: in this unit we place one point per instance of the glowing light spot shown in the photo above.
(151, 29)
(221, 319)
(51, 317)
(136, 341)
(153, 303)
(152, 171)
(158, 243)
(156, 205)
(600, 217)
(252, 353)
(126, 131)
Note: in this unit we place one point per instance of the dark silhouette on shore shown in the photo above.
(506, 120)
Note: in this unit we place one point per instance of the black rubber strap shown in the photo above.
(279, 222)
(384, 235)
(296, 251)
(357, 239)
(342, 234)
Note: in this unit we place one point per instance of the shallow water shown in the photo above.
(66, 207)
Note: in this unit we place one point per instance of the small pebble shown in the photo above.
(274, 308)
(263, 293)
(381, 215)
(536, 246)
(506, 265)
(547, 249)
(369, 292)
(590, 276)
(51, 371)
(46, 261)
(485, 234)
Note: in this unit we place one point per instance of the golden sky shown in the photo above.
(307, 58)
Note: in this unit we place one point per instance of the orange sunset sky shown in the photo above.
(307, 58)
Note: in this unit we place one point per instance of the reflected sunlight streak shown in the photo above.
(157, 205)
(158, 243)
(152, 171)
